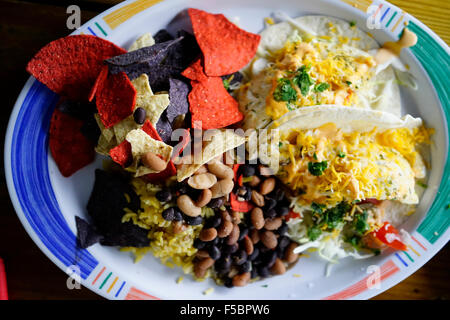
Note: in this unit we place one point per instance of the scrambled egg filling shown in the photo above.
(316, 72)
(328, 166)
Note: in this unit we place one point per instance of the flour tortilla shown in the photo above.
(381, 92)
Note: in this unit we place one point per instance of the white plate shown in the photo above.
(46, 203)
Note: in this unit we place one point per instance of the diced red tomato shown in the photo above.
(240, 206)
(292, 215)
(390, 236)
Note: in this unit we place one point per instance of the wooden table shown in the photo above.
(27, 26)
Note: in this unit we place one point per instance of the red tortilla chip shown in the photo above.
(98, 82)
(195, 71)
(121, 154)
(150, 130)
(226, 48)
(212, 105)
(115, 99)
(70, 149)
(69, 66)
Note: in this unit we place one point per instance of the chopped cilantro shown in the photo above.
(448, 206)
(333, 216)
(264, 285)
(290, 107)
(284, 91)
(321, 87)
(314, 233)
(352, 23)
(315, 156)
(355, 241)
(341, 154)
(317, 168)
(280, 144)
(423, 185)
(317, 207)
(226, 83)
(303, 80)
(348, 83)
(360, 222)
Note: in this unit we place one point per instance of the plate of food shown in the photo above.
(250, 149)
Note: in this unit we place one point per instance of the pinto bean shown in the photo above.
(241, 280)
(222, 188)
(257, 218)
(204, 198)
(278, 267)
(202, 181)
(234, 235)
(254, 182)
(254, 236)
(269, 239)
(202, 266)
(248, 245)
(273, 224)
(224, 229)
(208, 234)
(221, 170)
(258, 198)
(188, 207)
(152, 161)
(267, 186)
(289, 255)
(235, 217)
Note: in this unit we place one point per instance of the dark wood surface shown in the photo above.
(24, 28)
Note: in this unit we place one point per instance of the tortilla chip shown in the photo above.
(142, 143)
(115, 99)
(123, 127)
(70, 149)
(70, 66)
(220, 141)
(108, 133)
(146, 40)
(104, 146)
(226, 48)
(178, 96)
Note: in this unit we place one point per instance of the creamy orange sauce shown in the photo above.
(392, 49)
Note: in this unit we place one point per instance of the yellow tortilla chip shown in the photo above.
(146, 40)
(142, 143)
(103, 145)
(122, 128)
(216, 142)
(107, 133)
(154, 105)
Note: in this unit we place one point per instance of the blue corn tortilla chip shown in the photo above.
(158, 76)
(111, 194)
(183, 52)
(86, 234)
(178, 96)
(152, 55)
(162, 36)
(164, 129)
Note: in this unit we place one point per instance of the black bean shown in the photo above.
(282, 229)
(279, 194)
(245, 267)
(248, 195)
(248, 170)
(240, 257)
(199, 244)
(169, 214)
(223, 264)
(269, 203)
(178, 216)
(253, 273)
(228, 283)
(214, 252)
(254, 254)
(193, 221)
(263, 272)
(270, 213)
(164, 195)
(270, 258)
(229, 249)
(139, 115)
(243, 231)
(283, 242)
(215, 242)
(182, 187)
(213, 222)
(282, 211)
(216, 203)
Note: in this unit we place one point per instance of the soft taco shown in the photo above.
(330, 64)
(349, 172)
